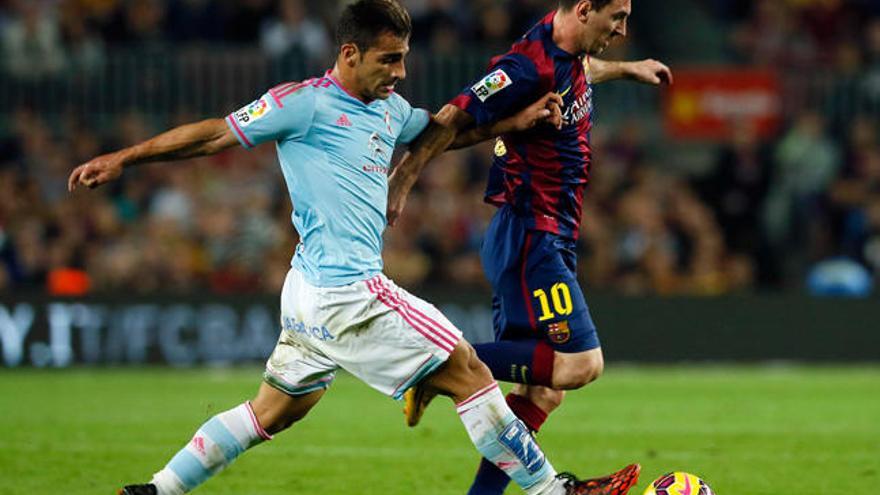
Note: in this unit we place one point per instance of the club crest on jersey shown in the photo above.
(558, 332)
(255, 111)
(491, 84)
(377, 147)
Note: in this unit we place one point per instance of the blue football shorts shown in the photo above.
(535, 289)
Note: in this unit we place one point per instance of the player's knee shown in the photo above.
(579, 371)
(477, 369)
(463, 375)
(472, 374)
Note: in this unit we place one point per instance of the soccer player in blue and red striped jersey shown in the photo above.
(546, 340)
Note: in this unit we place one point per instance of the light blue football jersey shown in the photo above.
(335, 152)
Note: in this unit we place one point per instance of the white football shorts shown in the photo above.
(375, 330)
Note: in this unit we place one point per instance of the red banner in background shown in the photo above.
(710, 103)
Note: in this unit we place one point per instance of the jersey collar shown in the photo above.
(545, 28)
(338, 84)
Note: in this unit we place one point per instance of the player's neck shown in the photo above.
(346, 80)
(565, 26)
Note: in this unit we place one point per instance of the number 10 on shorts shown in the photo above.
(561, 296)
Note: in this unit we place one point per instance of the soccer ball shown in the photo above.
(679, 483)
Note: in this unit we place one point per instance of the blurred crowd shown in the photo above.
(761, 215)
(45, 37)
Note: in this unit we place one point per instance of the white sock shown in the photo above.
(215, 445)
(505, 441)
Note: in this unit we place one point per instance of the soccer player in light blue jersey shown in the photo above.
(334, 136)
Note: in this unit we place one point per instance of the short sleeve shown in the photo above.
(273, 119)
(511, 84)
(414, 124)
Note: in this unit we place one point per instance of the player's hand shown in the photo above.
(650, 71)
(548, 109)
(96, 172)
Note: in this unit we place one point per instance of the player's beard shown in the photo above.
(385, 89)
(600, 46)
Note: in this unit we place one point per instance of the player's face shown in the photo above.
(382, 66)
(604, 25)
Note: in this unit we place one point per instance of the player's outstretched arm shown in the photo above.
(434, 140)
(199, 139)
(546, 110)
(647, 71)
(452, 128)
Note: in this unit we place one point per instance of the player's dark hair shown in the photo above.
(363, 21)
(569, 4)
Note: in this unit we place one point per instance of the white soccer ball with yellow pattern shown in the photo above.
(678, 483)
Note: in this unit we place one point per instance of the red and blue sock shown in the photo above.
(529, 362)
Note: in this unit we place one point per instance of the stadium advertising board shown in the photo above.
(709, 104)
(41, 332)
(60, 334)
(64, 333)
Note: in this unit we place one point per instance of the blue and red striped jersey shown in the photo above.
(541, 173)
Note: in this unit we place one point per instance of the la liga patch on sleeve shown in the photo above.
(491, 84)
(253, 112)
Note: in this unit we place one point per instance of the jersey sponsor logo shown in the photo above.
(318, 333)
(253, 112)
(491, 84)
(579, 108)
(559, 332)
(519, 442)
(376, 169)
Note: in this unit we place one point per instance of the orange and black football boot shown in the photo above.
(617, 483)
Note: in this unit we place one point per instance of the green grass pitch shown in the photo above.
(746, 430)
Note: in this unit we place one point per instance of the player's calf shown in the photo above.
(215, 445)
(498, 434)
(544, 398)
(276, 410)
(224, 437)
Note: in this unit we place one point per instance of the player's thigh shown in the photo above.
(392, 339)
(502, 256)
(547, 301)
(296, 366)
